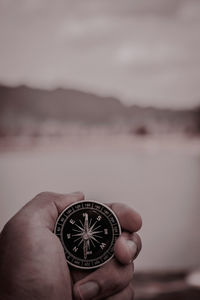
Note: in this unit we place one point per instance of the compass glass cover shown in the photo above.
(88, 231)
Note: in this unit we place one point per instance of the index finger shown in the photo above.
(129, 219)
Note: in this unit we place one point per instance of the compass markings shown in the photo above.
(93, 238)
(98, 236)
(91, 228)
(92, 225)
(103, 245)
(81, 223)
(82, 229)
(81, 241)
(78, 234)
(93, 244)
(78, 239)
(95, 232)
(75, 230)
(92, 234)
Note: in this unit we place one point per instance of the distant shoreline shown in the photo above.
(171, 143)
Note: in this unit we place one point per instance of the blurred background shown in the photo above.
(104, 97)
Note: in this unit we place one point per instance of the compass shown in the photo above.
(88, 231)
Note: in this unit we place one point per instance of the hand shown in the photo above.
(32, 260)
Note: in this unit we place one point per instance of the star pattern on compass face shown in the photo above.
(88, 234)
(88, 231)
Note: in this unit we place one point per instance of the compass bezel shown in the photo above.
(88, 263)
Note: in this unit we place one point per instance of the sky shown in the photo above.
(142, 52)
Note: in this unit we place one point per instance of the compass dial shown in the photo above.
(88, 231)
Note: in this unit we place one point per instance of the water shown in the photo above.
(161, 183)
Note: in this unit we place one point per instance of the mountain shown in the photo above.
(22, 106)
(58, 104)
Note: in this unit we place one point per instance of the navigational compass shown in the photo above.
(88, 231)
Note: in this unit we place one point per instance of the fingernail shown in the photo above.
(89, 290)
(132, 248)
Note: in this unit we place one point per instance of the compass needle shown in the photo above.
(85, 248)
(89, 244)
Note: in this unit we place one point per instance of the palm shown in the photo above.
(54, 272)
(40, 260)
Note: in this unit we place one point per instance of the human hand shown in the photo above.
(32, 260)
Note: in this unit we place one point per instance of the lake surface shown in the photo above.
(162, 182)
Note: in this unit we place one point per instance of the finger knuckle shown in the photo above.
(43, 195)
(45, 199)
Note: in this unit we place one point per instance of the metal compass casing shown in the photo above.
(88, 231)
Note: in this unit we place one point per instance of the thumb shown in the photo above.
(44, 209)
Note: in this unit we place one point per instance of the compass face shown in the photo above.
(88, 231)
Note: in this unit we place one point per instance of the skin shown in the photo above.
(32, 260)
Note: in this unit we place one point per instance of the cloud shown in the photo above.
(146, 52)
(190, 11)
(84, 27)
